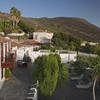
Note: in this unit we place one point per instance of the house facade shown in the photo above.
(43, 36)
(90, 43)
(26, 47)
(6, 56)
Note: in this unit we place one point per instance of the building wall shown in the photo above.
(4, 49)
(90, 43)
(65, 57)
(0, 62)
(2, 33)
(43, 37)
(68, 57)
(24, 50)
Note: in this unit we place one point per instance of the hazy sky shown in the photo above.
(87, 9)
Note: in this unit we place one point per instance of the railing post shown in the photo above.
(0, 63)
(4, 52)
(7, 49)
(0, 55)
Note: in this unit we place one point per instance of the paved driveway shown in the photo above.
(16, 88)
(70, 92)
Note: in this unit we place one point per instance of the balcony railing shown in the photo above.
(8, 62)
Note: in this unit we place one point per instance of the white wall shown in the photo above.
(16, 34)
(68, 57)
(42, 36)
(2, 33)
(65, 57)
(1, 79)
(0, 62)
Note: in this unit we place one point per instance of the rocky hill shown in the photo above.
(74, 26)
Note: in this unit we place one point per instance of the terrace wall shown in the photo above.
(65, 57)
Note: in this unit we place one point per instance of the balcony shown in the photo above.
(8, 62)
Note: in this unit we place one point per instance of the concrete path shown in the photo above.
(1, 83)
(17, 87)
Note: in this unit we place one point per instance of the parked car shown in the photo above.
(21, 63)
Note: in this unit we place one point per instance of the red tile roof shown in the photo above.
(13, 44)
(30, 42)
(44, 31)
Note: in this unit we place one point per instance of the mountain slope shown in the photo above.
(74, 26)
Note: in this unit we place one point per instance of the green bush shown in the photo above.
(14, 31)
(49, 71)
(7, 73)
(26, 28)
(66, 41)
(51, 48)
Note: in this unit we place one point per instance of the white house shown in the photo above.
(93, 43)
(5, 61)
(43, 36)
(90, 43)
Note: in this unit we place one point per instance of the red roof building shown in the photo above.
(6, 57)
(43, 37)
(29, 43)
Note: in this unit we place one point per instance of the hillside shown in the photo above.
(74, 26)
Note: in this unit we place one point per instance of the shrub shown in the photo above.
(48, 71)
(7, 73)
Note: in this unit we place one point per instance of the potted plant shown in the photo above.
(7, 73)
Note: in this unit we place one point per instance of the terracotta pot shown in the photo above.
(7, 79)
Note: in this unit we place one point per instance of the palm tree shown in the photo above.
(16, 14)
(95, 74)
